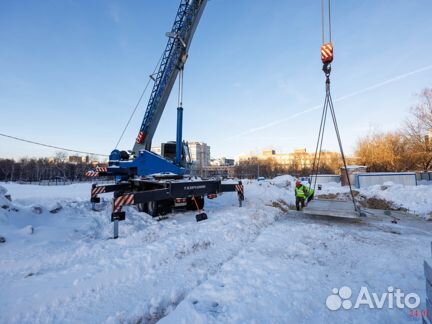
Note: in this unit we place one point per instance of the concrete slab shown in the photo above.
(429, 310)
(428, 290)
(428, 270)
(334, 208)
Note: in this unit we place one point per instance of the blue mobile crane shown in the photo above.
(157, 184)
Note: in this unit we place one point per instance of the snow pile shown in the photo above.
(284, 181)
(6, 206)
(29, 194)
(267, 191)
(51, 213)
(416, 199)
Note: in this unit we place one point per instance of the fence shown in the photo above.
(378, 178)
(424, 176)
(324, 178)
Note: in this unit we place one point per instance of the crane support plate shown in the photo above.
(333, 208)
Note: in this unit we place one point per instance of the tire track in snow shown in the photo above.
(148, 278)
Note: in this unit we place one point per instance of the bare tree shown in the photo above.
(7, 167)
(423, 110)
(383, 152)
(60, 159)
(418, 129)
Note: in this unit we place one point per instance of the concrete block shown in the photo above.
(334, 208)
(428, 290)
(429, 310)
(428, 270)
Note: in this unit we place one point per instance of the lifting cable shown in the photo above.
(327, 58)
(151, 77)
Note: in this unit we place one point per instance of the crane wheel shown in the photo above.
(152, 208)
(142, 207)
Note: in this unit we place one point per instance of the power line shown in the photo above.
(51, 146)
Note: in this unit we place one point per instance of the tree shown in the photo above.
(418, 130)
(383, 152)
(6, 168)
(60, 159)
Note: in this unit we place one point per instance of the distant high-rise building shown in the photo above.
(200, 155)
(156, 149)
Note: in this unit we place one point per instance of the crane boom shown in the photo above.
(173, 60)
(159, 184)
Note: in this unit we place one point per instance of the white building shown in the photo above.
(222, 162)
(156, 149)
(200, 154)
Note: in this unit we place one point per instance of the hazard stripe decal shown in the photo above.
(239, 188)
(140, 137)
(127, 199)
(327, 53)
(97, 190)
(92, 174)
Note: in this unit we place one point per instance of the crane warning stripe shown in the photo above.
(97, 190)
(327, 53)
(140, 137)
(92, 174)
(239, 188)
(121, 201)
(101, 169)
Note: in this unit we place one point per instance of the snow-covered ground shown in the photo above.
(415, 199)
(258, 263)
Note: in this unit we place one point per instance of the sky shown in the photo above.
(71, 72)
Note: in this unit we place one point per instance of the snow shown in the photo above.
(257, 263)
(27, 194)
(417, 199)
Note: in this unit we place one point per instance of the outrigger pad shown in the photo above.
(201, 216)
(119, 216)
(333, 208)
(95, 200)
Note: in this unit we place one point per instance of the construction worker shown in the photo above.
(309, 193)
(303, 194)
(300, 195)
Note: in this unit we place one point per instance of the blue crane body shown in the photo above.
(172, 62)
(157, 184)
